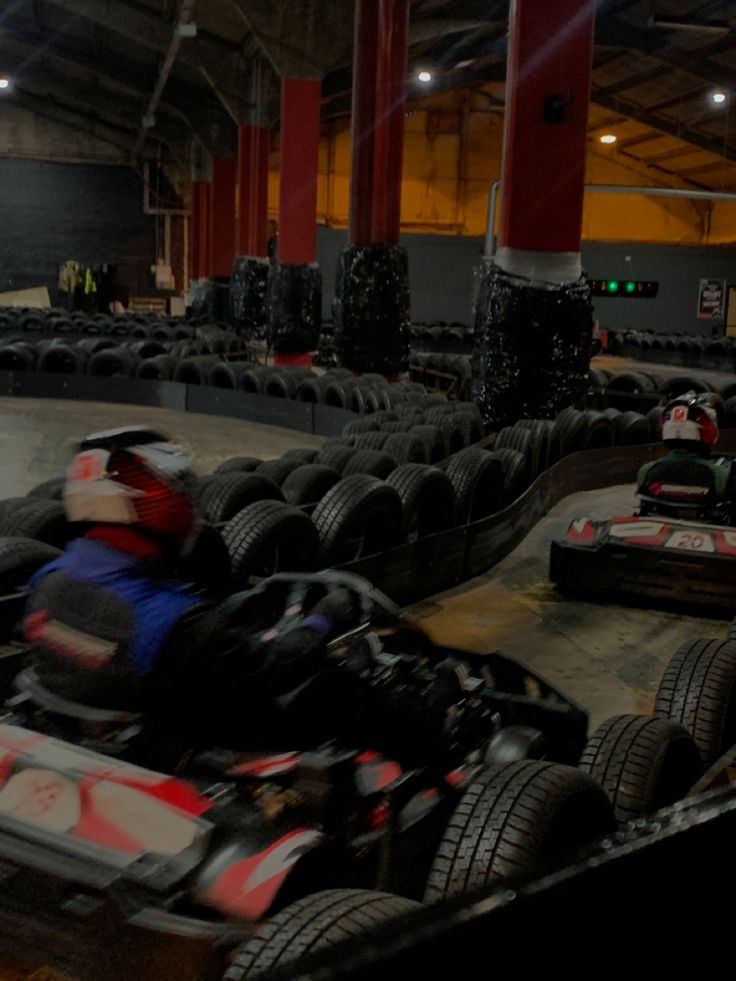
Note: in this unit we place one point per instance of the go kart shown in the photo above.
(112, 870)
(681, 546)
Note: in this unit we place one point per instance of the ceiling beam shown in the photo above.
(633, 80)
(710, 168)
(219, 63)
(673, 154)
(638, 140)
(671, 128)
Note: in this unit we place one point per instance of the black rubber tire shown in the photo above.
(373, 462)
(653, 417)
(283, 384)
(339, 393)
(361, 515)
(370, 441)
(537, 445)
(44, 521)
(115, 362)
(278, 470)
(478, 482)
(629, 390)
(227, 374)
(405, 448)
(631, 429)
(254, 380)
(301, 453)
(239, 464)
(435, 444)
(680, 384)
(456, 430)
(642, 763)
(143, 350)
(519, 439)
(17, 357)
(62, 359)
(207, 564)
(49, 490)
(19, 559)
(427, 498)
(93, 345)
(335, 456)
(396, 426)
(698, 690)
(268, 537)
(195, 371)
(385, 415)
(573, 428)
(360, 426)
(515, 472)
(312, 390)
(228, 493)
(599, 430)
(160, 368)
(516, 819)
(309, 483)
(311, 924)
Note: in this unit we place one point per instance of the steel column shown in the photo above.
(200, 237)
(300, 132)
(222, 221)
(252, 191)
(547, 97)
(365, 58)
(391, 67)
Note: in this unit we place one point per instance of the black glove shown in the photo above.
(340, 608)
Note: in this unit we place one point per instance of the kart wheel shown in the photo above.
(312, 924)
(698, 690)
(516, 819)
(642, 763)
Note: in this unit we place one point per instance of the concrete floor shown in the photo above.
(38, 436)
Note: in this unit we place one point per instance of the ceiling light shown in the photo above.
(608, 138)
(424, 76)
(718, 97)
(4, 83)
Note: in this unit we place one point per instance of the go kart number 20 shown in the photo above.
(693, 541)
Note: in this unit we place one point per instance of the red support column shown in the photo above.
(547, 97)
(365, 57)
(391, 67)
(222, 221)
(300, 131)
(200, 230)
(251, 234)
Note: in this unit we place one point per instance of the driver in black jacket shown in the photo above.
(110, 630)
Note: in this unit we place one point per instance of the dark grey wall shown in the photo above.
(51, 212)
(441, 268)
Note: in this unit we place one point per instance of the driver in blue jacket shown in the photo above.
(110, 628)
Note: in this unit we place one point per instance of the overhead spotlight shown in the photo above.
(4, 83)
(424, 76)
(608, 138)
(718, 97)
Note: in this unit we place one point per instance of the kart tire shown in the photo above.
(515, 819)
(538, 443)
(642, 763)
(308, 484)
(600, 432)
(312, 390)
(573, 428)
(278, 470)
(49, 490)
(456, 429)
(195, 371)
(550, 441)
(361, 515)
(435, 444)
(427, 498)
(311, 924)
(478, 482)
(160, 368)
(283, 384)
(62, 359)
(228, 493)
(17, 357)
(43, 521)
(20, 558)
(113, 362)
(518, 439)
(698, 690)
(226, 374)
(680, 384)
(268, 537)
(630, 390)
(372, 462)
(239, 464)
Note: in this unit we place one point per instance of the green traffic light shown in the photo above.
(612, 285)
(630, 287)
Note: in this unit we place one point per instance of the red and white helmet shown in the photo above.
(689, 419)
(136, 477)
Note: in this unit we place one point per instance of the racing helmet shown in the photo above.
(133, 476)
(689, 422)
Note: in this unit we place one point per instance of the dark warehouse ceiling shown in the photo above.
(105, 65)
